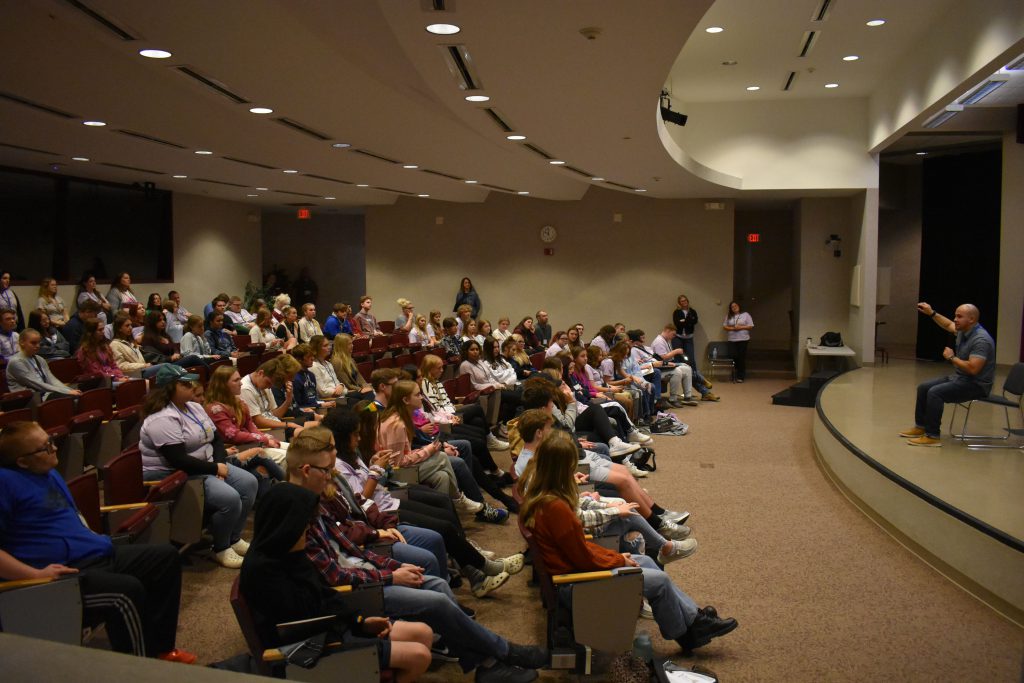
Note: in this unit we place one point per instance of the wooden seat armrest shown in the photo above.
(22, 583)
(342, 589)
(125, 506)
(275, 655)
(582, 577)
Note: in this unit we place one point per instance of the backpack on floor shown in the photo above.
(644, 459)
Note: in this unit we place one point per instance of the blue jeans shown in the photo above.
(634, 522)
(673, 609)
(935, 393)
(434, 605)
(425, 548)
(228, 502)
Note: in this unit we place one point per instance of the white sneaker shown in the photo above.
(634, 470)
(496, 444)
(617, 447)
(673, 531)
(636, 436)
(680, 549)
(488, 554)
(241, 547)
(229, 558)
(464, 504)
(645, 611)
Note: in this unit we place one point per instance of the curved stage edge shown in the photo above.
(958, 510)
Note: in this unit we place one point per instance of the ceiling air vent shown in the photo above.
(210, 83)
(149, 138)
(250, 163)
(323, 177)
(498, 119)
(35, 105)
(103, 21)
(443, 175)
(27, 149)
(821, 13)
(538, 151)
(1017, 65)
(461, 67)
(375, 156)
(790, 79)
(295, 125)
(807, 43)
(131, 168)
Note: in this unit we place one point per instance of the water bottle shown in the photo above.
(714, 352)
(642, 648)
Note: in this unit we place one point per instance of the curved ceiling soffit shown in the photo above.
(688, 163)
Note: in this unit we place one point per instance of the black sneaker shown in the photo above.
(527, 656)
(704, 628)
(504, 673)
(492, 514)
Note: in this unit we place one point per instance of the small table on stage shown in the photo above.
(839, 354)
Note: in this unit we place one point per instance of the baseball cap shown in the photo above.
(169, 373)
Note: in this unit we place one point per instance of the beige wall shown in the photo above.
(1011, 253)
(216, 248)
(601, 271)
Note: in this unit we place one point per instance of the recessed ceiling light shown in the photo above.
(831, 85)
(204, 152)
(362, 185)
(155, 54)
(876, 22)
(752, 88)
(471, 182)
(423, 195)
(80, 158)
(851, 58)
(95, 124)
(522, 192)
(340, 145)
(730, 62)
(515, 137)
(290, 170)
(477, 98)
(597, 179)
(556, 162)
(639, 189)
(443, 29)
(262, 189)
(261, 110)
(329, 197)
(714, 29)
(921, 154)
(252, 195)
(409, 166)
(179, 177)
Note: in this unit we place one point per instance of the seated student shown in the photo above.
(525, 330)
(483, 328)
(86, 291)
(500, 368)
(304, 387)
(288, 329)
(280, 302)
(406, 318)
(120, 294)
(419, 333)
(8, 334)
(663, 348)
(328, 386)
(180, 311)
(258, 397)
(450, 341)
(468, 420)
(605, 338)
(262, 331)
(51, 304)
(502, 401)
(219, 303)
(240, 319)
(154, 303)
(87, 310)
(559, 342)
(283, 386)
(601, 515)
(470, 331)
(137, 314)
(596, 377)
(94, 354)
(134, 589)
(344, 365)
(337, 322)
(435, 329)
(540, 393)
(53, 344)
(157, 348)
(175, 328)
(27, 370)
(193, 342)
(680, 377)
(218, 337)
(590, 396)
(309, 327)
(364, 323)
(513, 349)
(573, 335)
(281, 585)
(620, 369)
(463, 314)
(551, 497)
(177, 434)
(543, 329)
(127, 353)
(502, 333)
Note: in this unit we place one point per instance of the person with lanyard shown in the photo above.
(9, 300)
(8, 333)
(177, 434)
(28, 370)
(121, 294)
(684, 319)
(87, 292)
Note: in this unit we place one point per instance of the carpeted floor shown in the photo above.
(820, 592)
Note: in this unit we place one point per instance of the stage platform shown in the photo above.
(959, 509)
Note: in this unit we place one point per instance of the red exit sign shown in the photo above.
(304, 214)
(753, 237)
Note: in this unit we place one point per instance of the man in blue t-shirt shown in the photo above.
(974, 361)
(135, 590)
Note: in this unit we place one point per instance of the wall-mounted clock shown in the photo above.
(548, 234)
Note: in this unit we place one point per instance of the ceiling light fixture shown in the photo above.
(639, 189)
(515, 137)
(921, 154)
(752, 88)
(341, 145)
(556, 162)
(410, 166)
(252, 195)
(851, 58)
(261, 110)
(443, 29)
(876, 22)
(471, 182)
(522, 192)
(714, 29)
(831, 85)
(262, 189)
(204, 152)
(423, 195)
(179, 177)
(477, 98)
(329, 197)
(289, 170)
(598, 179)
(362, 185)
(94, 124)
(155, 54)
(80, 158)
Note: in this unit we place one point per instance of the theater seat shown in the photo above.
(138, 522)
(178, 497)
(48, 609)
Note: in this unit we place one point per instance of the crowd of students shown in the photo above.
(321, 449)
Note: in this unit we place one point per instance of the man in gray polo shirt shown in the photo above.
(975, 362)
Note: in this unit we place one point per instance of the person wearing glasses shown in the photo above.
(177, 434)
(43, 537)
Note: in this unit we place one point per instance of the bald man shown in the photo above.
(974, 363)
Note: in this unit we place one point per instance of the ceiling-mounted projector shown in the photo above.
(669, 116)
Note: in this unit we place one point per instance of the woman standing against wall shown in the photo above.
(738, 325)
